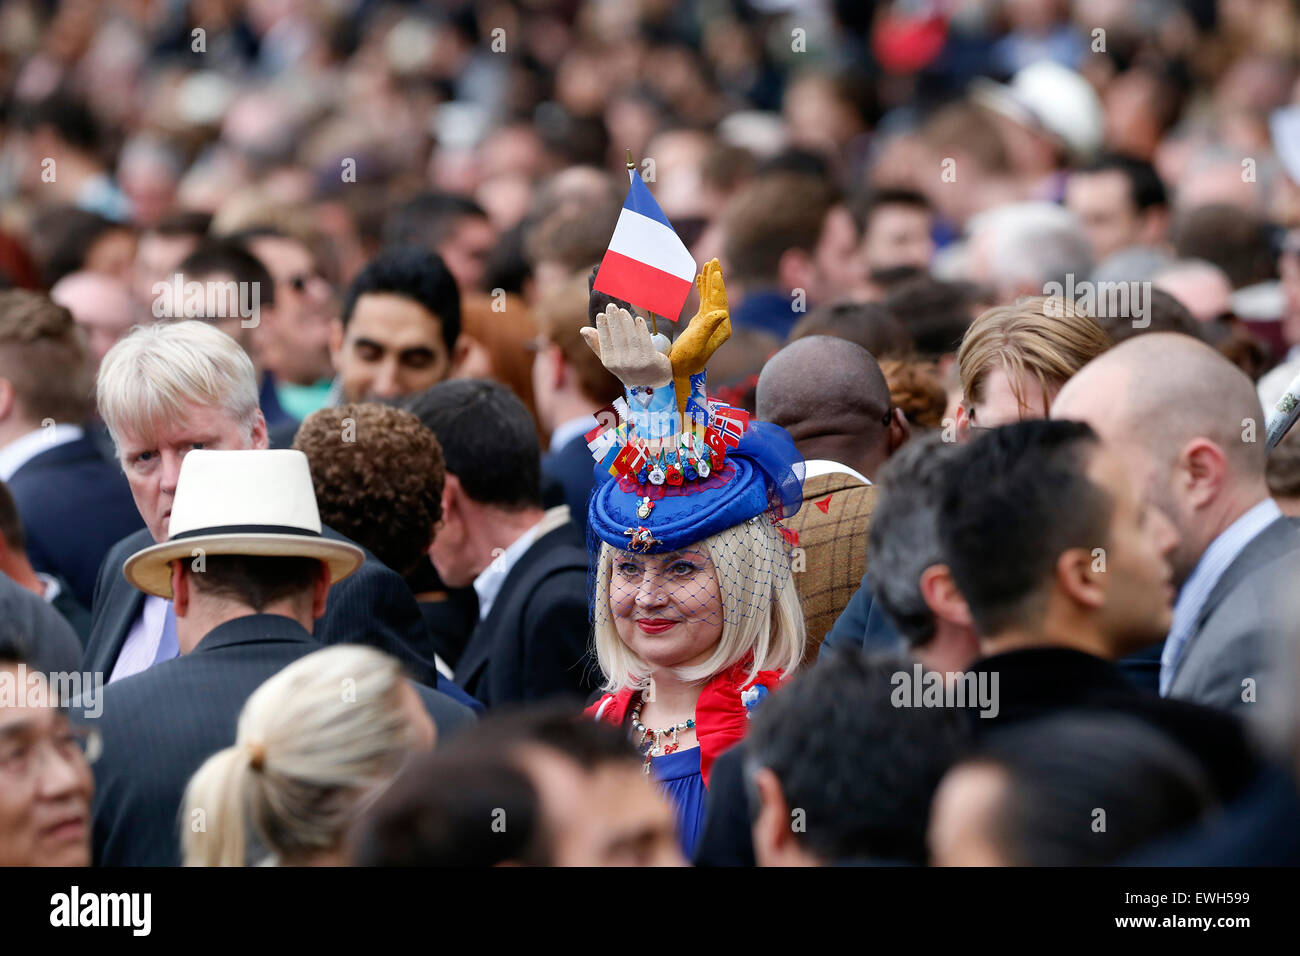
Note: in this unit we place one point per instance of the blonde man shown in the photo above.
(163, 391)
(1015, 358)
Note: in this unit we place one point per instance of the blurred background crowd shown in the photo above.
(421, 192)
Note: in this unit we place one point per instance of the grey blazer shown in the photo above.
(1243, 627)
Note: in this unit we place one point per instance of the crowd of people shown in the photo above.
(348, 518)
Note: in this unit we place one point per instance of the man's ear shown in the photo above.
(900, 430)
(452, 495)
(336, 344)
(792, 270)
(180, 589)
(1080, 576)
(963, 421)
(1202, 471)
(320, 591)
(260, 439)
(772, 829)
(466, 346)
(942, 596)
(6, 399)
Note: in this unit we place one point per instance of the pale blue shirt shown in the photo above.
(1222, 551)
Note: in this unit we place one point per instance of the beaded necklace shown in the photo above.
(656, 746)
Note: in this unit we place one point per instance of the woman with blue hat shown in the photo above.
(695, 616)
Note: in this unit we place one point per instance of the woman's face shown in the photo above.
(667, 607)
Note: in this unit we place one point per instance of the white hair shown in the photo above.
(761, 610)
(1035, 242)
(148, 378)
(313, 742)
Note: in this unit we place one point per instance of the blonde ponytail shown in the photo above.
(312, 742)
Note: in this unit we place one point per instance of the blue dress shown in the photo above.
(678, 775)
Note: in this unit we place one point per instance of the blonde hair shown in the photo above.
(753, 568)
(147, 379)
(1048, 337)
(311, 741)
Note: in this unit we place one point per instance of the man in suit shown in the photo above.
(47, 641)
(73, 503)
(830, 395)
(570, 386)
(15, 563)
(164, 390)
(1065, 568)
(1190, 424)
(528, 566)
(248, 574)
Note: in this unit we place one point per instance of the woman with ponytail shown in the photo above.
(315, 743)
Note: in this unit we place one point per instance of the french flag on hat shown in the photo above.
(646, 264)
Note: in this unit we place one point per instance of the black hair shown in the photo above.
(70, 119)
(1146, 189)
(588, 743)
(869, 324)
(866, 205)
(412, 273)
(228, 257)
(598, 301)
(428, 219)
(254, 580)
(1018, 498)
(1089, 789)
(936, 313)
(70, 233)
(862, 770)
(11, 523)
(454, 809)
(488, 440)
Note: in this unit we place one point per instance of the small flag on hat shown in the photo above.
(646, 263)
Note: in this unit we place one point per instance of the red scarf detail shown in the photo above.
(721, 718)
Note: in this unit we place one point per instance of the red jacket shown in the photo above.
(721, 716)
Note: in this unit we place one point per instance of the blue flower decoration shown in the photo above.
(752, 697)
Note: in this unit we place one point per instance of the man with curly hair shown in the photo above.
(379, 475)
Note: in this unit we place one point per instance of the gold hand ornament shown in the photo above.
(704, 335)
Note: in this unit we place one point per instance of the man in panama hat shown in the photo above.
(248, 572)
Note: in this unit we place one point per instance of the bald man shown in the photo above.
(1190, 424)
(832, 398)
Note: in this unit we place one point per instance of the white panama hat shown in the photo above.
(258, 503)
(1052, 98)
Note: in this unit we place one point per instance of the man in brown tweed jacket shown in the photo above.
(830, 395)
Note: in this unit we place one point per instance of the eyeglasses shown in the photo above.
(24, 758)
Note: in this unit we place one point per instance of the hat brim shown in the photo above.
(150, 569)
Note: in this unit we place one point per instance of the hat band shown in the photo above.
(246, 529)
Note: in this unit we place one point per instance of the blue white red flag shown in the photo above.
(646, 263)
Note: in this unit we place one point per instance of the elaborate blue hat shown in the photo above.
(673, 466)
(762, 475)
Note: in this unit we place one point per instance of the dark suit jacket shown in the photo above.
(73, 611)
(1242, 629)
(157, 728)
(74, 506)
(534, 643)
(45, 639)
(866, 626)
(571, 467)
(373, 606)
(1042, 681)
